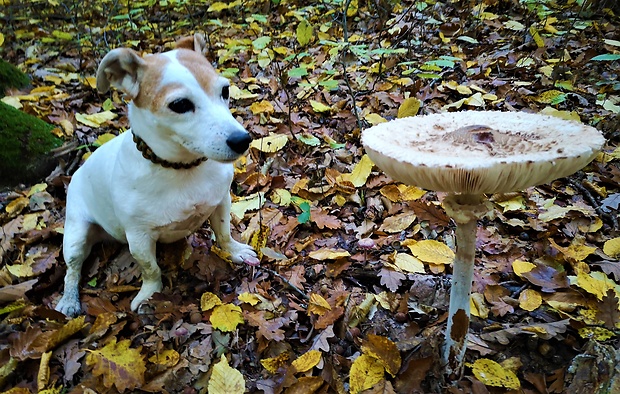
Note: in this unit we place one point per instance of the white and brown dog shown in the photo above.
(165, 177)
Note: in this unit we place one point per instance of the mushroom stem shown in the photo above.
(465, 209)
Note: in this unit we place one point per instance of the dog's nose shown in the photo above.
(239, 141)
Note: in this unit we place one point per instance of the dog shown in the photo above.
(163, 178)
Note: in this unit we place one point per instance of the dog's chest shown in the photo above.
(183, 217)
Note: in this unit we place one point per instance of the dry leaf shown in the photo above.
(225, 379)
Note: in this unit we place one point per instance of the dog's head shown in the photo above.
(179, 96)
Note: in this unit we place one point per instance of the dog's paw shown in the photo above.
(241, 253)
(69, 306)
(146, 291)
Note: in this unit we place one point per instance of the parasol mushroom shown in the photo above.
(469, 154)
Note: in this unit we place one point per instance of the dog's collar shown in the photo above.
(148, 154)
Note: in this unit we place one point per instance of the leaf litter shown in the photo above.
(351, 294)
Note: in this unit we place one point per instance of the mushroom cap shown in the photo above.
(476, 152)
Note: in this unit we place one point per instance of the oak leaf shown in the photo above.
(391, 279)
(608, 310)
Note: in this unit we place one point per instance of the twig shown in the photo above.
(345, 37)
(287, 282)
(586, 193)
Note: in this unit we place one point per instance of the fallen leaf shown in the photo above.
(307, 361)
(431, 251)
(226, 317)
(492, 374)
(383, 350)
(225, 379)
(366, 371)
(118, 365)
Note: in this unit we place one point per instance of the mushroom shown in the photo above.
(469, 154)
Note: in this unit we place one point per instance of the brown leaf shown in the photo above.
(607, 310)
(324, 220)
(548, 278)
(383, 387)
(431, 213)
(391, 279)
(269, 329)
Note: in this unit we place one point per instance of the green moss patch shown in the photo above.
(11, 77)
(25, 141)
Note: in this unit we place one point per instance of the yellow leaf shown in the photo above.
(475, 101)
(566, 115)
(118, 365)
(410, 193)
(259, 240)
(17, 205)
(304, 33)
(64, 333)
(261, 107)
(271, 143)
(366, 371)
(361, 171)
(596, 333)
(20, 270)
(274, 363)
(537, 38)
(218, 6)
(281, 197)
(384, 350)
(521, 267)
(353, 7)
(492, 374)
(249, 298)
(398, 223)
(408, 263)
(409, 107)
(375, 119)
(95, 120)
(596, 283)
(320, 107)
(226, 317)
(431, 251)
(1, 39)
(241, 205)
(225, 379)
(43, 376)
(328, 254)
(307, 361)
(516, 203)
(549, 96)
(167, 358)
(575, 250)
(318, 305)
(477, 306)
(530, 300)
(209, 301)
(611, 247)
(104, 138)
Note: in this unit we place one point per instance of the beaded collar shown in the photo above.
(148, 154)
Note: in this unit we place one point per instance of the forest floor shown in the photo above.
(352, 290)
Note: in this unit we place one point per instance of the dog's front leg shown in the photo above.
(220, 223)
(142, 248)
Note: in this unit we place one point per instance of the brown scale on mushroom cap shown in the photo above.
(481, 151)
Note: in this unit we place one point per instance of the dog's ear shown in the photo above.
(197, 43)
(119, 68)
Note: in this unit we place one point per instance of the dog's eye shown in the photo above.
(225, 92)
(181, 106)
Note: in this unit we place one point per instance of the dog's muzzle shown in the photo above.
(239, 141)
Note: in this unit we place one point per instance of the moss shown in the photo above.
(24, 145)
(11, 77)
